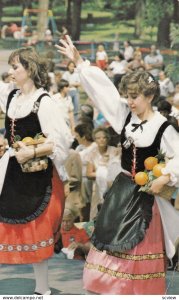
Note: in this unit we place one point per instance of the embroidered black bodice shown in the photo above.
(141, 153)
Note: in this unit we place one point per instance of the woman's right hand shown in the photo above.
(24, 153)
(69, 50)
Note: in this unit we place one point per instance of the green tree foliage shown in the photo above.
(156, 10)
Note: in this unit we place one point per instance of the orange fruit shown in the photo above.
(27, 139)
(157, 169)
(150, 162)
(141, 178)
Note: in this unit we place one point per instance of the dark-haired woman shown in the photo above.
(31, 204)
(128, 257)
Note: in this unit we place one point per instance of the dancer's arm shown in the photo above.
(98, 86)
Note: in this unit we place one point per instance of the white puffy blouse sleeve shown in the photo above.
(103, 93)
(170, 146)
(56, 130)
(5, 89)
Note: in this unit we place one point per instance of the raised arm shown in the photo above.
(98, 86)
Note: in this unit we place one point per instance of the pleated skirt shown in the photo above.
(140, 271)
(34, 241)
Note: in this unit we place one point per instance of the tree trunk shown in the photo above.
(163, 34)
(139, 17)
(1, 14)
(42, 18)
(26, 4)
(68, 15)
(76, 20)
(176, 11)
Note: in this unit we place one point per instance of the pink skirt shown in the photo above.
(140, 271)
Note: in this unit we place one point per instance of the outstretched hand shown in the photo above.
(69, 50)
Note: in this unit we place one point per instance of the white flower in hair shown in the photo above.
(150, 79)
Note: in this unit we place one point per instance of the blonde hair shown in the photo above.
(71, 211)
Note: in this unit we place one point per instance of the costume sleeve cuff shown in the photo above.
(84, 64)
(173, 178)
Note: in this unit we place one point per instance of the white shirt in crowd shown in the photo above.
(101, 55)
(118, 67)
(72, 78)
(128, 53)
(154, 59)
(166, 87)
(64, 104)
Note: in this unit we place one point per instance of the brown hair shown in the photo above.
(32, 62)
(139, 82)
(101, 129)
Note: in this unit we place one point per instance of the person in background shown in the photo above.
(154, 62)
(3, 145)
(83, 134)
(165, 108)
(128, 51)
(74, 83)
(51, 67)
(116, 42)
(101, 57)
(48, 37)
(97, 166)
(118, 68)
(175, 102)
(6, 77)
(57, 78)
(86, 115)
(166, 85)
(75, 241)
(64, 103)
(64, 31)
(33, 39)
(73, 167)
(136, 63)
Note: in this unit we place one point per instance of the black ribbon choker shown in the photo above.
(136, 126)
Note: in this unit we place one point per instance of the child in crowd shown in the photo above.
(75, 241)
(101, 57)
(64, 102)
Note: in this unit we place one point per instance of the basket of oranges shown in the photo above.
(153, 169)
(37, 163)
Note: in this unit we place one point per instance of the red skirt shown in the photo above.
(140, 271)
(34, 241)
(102, 64)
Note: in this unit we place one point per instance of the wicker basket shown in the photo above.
(167, 192)
(37, 163)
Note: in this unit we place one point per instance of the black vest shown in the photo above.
(141, 153)
(24, 195)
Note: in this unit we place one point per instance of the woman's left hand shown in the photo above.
(24, 153)
(158, 184)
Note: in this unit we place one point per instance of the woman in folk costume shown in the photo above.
(128, 254)
(31, 203)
